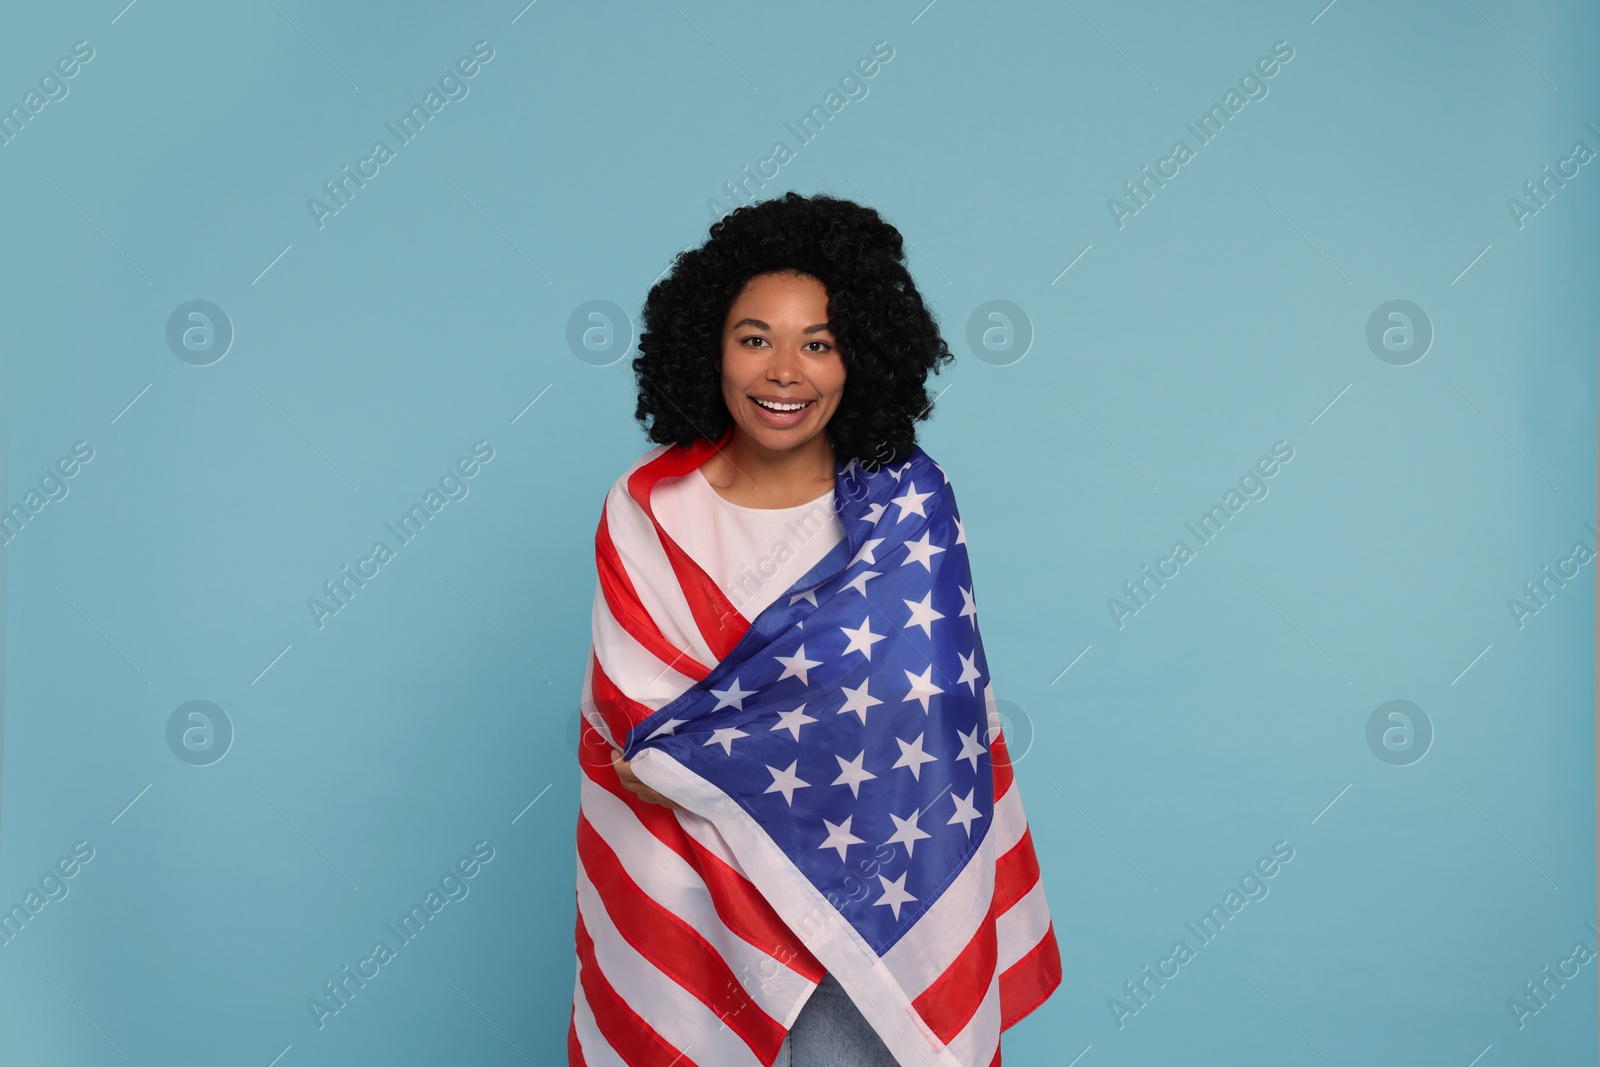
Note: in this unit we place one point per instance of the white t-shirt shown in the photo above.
(753, 554)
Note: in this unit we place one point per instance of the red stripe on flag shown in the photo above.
(673, 946)
(624, 1029)
(956, 995)
(1015, 873)
(620, 711)
(719, 621)
(622, 600)
(1025, 984)
(574, 1049)
(1000, 756)
(739, 905)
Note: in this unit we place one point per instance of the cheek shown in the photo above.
(735, 370)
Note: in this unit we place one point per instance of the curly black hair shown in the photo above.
(888, 338)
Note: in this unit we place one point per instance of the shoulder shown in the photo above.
(921, 461)
(911, 486)
(919, 467)
(650, 455)
(618, 489)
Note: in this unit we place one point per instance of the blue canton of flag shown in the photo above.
(851, 720)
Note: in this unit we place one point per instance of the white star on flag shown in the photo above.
(666, 727)
(724, 737)
(912, 756)
(794, 719)
(969, 671)
(862, 639)
(865, 555)
(961, 530)
(732, 697)
(966, 811)
(852, 773)
(874, 513)
(894, 893)
(906, 831)
(795, 666)
(859, 582)
(968, 607)
(809, 594)
(911, 502)
(840, 837)
(858, 700)
(921, 551)
(922, 614)
(922, 686)
(786, 782)
(971, 749)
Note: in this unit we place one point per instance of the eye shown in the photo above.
(756, 340)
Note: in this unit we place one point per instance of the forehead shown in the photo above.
(793, 283)
(796, 299)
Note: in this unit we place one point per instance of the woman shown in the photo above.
(751, 888)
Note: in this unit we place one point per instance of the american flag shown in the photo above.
(849, 803)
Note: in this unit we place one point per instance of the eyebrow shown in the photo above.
(758, 324)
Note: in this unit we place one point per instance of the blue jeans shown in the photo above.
(830, 1031)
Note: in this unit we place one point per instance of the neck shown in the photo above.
(752, 470)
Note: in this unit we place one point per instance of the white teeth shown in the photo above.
(779, 407)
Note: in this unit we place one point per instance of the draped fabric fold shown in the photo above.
(849, 805)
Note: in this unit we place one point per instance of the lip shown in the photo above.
(783, 420)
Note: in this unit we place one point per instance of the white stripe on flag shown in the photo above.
(645, 562)
(1021, 926)
(597, 1052)
(669, 1009)
(634, 669)
(664, 876)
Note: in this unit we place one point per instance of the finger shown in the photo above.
(664, 800)
(656, 798)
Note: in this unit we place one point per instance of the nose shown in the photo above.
(784, 366)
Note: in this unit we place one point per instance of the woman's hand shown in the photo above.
(638, 788)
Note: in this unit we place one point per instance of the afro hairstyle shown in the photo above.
(887, 337)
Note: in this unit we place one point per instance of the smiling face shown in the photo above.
(777, 348)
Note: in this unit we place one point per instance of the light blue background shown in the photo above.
(1228, 314)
